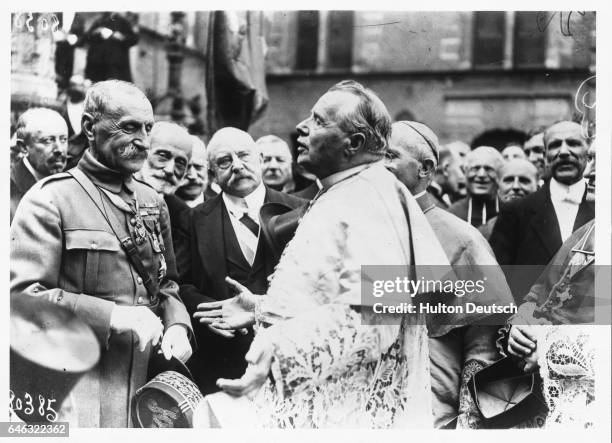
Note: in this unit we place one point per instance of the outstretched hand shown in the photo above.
(228, 315)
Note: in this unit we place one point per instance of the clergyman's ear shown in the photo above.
(87, 122)
(356, 143)
(427, 168)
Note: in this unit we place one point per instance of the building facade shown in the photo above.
(461, 73)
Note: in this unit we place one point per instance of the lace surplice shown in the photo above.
(566, 356)
(335, 363)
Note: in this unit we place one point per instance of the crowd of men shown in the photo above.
(139, 238)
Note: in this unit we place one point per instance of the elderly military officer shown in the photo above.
(43, 135)
(459, 347)
(65, 247)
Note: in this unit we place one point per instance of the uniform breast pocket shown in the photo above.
(97, 252)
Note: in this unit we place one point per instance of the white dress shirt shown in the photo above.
(196, 201)
(237, 207)
(566, 200)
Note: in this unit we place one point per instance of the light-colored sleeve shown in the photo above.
(36, 259)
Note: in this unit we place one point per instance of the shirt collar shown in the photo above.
(560, 191)
(252, 203)
(103, 176)
(37, 176)
(337, 177)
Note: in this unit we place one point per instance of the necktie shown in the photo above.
(250, 224)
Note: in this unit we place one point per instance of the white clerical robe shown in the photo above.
(329, 369)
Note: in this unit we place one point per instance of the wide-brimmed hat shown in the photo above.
(51, 348)
(278, 224)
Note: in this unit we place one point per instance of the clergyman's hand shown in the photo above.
(259, 358)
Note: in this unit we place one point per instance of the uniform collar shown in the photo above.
(103, 176)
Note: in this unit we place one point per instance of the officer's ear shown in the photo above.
(356, 143)
(87, 123)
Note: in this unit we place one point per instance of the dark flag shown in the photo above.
(235, 71)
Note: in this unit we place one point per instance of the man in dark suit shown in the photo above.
(531, 231)
(43, 135)
(219, 238)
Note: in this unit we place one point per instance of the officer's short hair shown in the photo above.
(99, 98)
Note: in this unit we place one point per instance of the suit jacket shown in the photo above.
(527, 236)
(21, 181)
(207, 250)
(176, 206)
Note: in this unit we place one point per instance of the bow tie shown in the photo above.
(572, 199)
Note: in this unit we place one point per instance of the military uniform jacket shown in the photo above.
(63, 248)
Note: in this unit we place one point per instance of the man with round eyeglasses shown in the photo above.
(222, 237)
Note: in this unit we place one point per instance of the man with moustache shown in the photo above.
(43, 135)
(192, 189)
(97, 242)
(563, 295)
(277, 163)
(530, 231)
(219, 238)
(481, 202)
(458, 348)
(166, 166)
(517, 178)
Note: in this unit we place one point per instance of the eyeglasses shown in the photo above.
(226, 161)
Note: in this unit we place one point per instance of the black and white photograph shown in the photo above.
(306, 218)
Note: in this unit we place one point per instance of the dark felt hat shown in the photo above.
(278, 224)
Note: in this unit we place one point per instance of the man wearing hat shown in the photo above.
(97, 241)
(222, 237)
(456, 349)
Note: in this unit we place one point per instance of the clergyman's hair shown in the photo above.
(99, 98)
(370, 117)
